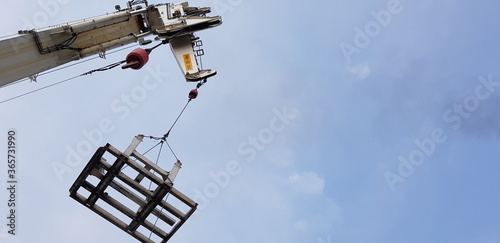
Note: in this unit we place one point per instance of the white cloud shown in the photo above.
(300, 225)
(360, 71)
(307, 182)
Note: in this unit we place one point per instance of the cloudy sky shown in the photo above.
(329, 121)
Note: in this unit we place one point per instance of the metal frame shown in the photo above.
(113, 175)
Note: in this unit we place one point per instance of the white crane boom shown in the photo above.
(31, 52)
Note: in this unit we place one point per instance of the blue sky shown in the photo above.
(313, 132)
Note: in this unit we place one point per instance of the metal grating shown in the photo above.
(133, 193)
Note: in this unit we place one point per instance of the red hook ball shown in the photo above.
(193, 94)
(137, 59)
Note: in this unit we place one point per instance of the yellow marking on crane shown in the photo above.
(187, 62)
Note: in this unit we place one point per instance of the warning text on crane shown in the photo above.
(188, 64)
(12, 181)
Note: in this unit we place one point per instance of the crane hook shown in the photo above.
(193, 94)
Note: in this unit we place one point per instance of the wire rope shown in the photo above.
(105, 68)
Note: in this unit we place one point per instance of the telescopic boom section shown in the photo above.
(31, 52)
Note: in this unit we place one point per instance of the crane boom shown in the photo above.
(30, 52)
